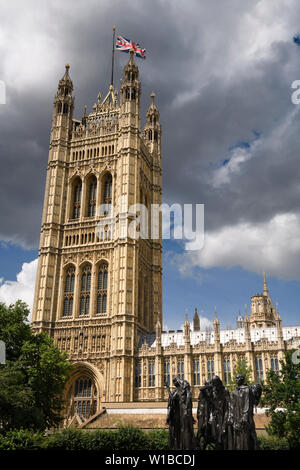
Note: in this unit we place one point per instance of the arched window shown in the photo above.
(227, 370)
(106, 192)
(85, 290)
(59, 107)
(92, 188)
(82, 398)
(102, 289)
(69, 292)
(65, 111)
(77, 199)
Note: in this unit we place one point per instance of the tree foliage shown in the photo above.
(14, 328)
(243, 368)
(281, 396)
(33, 379)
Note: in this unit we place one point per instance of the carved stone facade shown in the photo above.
(98, 290)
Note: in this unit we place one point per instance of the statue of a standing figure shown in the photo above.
(220, 412)
(203, 415)
(179, 417)
(187, 441)
(173, 415)
(244, 398)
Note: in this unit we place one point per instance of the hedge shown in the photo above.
(124, 438)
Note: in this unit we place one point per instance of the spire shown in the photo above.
(266, 290)
(196, 321)
(66, 80)
(187, 329)
(152, 106)
(216, 320)
(130, 93)
(131, 67)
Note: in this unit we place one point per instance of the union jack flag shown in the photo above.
(124, 45)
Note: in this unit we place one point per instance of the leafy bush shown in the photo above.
(272, 443)
(100, 440)
(67, 439)
(130, 438)
(124, 438)
(158, 440)
(21, 439)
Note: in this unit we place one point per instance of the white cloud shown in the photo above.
(22, 288)
(223, 174)
(272, 246)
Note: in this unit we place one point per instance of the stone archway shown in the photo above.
(83, 392)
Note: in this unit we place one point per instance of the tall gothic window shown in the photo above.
(196, 372)
(107, 193)
(275, 364)
(259, 369)
(85, 290)
(92, 197)
(151, 374)
(227, 371)
(77, 199)
(102, 289)
(180, 368)
(82, 398)
(210, 368)
(69, 292)
(138, 374)
(167, 372)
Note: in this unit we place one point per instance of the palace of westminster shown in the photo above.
(98, 294)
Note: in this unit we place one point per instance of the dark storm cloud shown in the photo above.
(215, 88)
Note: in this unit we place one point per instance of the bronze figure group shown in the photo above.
(227, 422)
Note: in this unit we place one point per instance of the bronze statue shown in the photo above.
(173, 415)
(179, 416)
(220, 414)
(244, 398)
(203, 415)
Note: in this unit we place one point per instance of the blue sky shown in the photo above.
(229, 289)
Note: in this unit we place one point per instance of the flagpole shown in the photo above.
(113, 56)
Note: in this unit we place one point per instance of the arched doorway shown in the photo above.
(82, 393)
(82, 398)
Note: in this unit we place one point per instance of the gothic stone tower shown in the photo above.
(97, 289)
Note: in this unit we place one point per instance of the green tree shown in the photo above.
(14, 328)
(241, 367)
(46, 370)
(282, 390)
(33, 379)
